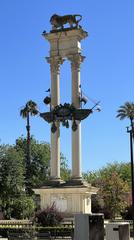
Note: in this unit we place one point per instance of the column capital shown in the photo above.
(76, 60)
(55, 63)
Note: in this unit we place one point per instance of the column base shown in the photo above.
(54, 182)
(77, 182)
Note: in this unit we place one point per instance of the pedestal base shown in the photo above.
(68, 197)
(77, 182)
(54, 182)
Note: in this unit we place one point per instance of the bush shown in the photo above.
(23, 207)
(49, 216)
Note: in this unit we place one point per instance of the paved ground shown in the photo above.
(57, 239)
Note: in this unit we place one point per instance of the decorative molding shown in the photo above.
(55, 63)
(76, 60)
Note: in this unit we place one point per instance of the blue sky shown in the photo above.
(107, 73)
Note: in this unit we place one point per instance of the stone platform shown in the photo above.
(69, 197)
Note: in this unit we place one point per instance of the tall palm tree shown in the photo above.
(29, 109)
(127, 111)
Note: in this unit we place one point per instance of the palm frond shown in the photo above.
(126, 111)
(23, 112)
(121, 116)
(30, 107)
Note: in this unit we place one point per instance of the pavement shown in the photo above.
(57, 239)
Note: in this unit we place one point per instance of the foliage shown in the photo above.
(126, 111)
(91, 177)
(113, 182)
(65, 171)
(23, 207)
(11, 169)
(14, 202)
(50, 216)
(40, 158)
(122, 169)
(113, 191)
(12, 175)
(40, 161)
(30, 107)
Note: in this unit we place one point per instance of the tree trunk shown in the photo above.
(28, 157)
(28, 140)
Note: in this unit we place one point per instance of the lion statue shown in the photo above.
(59, 21)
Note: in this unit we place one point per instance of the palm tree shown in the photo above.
(127, 111)
(29, 109)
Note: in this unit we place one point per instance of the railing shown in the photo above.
(15, 230)
(15, 223)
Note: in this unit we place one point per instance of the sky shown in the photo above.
(107, 74)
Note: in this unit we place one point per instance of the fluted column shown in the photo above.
(55, 63)
(76, 60)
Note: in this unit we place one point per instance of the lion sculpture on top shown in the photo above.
(59, 21)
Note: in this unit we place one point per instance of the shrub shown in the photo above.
(50, 216)
(23, 207)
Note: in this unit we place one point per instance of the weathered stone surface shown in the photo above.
(69, 199)
(117, 231)
(89, 227)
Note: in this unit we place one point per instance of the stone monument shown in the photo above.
(73, 196)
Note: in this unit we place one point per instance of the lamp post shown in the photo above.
(130, 130)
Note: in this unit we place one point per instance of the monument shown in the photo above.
(73, 196)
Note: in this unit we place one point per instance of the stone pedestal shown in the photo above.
(68, 199)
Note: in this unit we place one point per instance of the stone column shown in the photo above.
(55, 63)
(76, 60)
